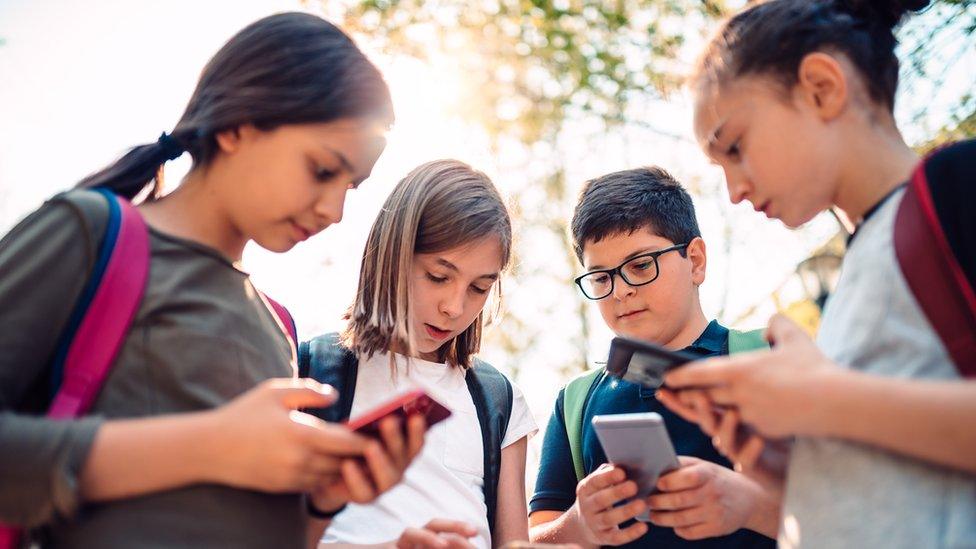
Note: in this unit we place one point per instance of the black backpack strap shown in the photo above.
(492, 396)
(326, 360)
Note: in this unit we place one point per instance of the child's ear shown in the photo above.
(696, 253)
(229, 141)
(822, 85)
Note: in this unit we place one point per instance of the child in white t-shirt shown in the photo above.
(434, 254)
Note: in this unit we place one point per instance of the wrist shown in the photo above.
(764, 516)
(210, 449)
(322, 510)
(827, 396)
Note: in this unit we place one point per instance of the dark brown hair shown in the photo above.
(438, 206)
(289, 68)
(773, 37)
(623, 202)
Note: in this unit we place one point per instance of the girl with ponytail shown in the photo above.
(194, 438)
(867, 433)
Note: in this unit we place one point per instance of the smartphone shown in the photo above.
(640, 444)
(411, 403)
(643, 363)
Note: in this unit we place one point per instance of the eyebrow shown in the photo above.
(716, 135)
(641, 251)
(452, 267)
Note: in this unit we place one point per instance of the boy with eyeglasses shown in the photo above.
(637, 237)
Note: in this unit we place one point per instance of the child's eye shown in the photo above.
(643, 265)
(324, 174)
(733, 150)
(436, 279)
(480, 291)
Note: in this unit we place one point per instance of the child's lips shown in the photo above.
(436, 332)
(630, 314)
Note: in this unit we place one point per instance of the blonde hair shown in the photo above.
(438, 206)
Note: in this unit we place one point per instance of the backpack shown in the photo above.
(935, 245)
(101, 318)
(326, 360)
(577, 394)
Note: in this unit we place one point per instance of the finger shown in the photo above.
(700, 402)
(685, 478)
(303, 392)
(781, 330)
(695, 532)
(749, 455)
(357, 483)
(324, 466)
(624, 535)
(676, 501)
(455, 541)
(452, 526)
(614, 516)
(381, 468)
(678, 519)
(416, 432)
(329, 438)
(392, 436)
(604, 477)
(725, 439)
(676, 404)
(722, 396)
(418, 537)
(606, 498)
(703, 373)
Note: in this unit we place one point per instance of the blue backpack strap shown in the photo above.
(493, 396)
(326, 360)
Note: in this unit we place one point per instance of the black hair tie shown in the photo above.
(171, 147)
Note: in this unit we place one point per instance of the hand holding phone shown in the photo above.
(415, 402)
(638, 443)
(643, 363)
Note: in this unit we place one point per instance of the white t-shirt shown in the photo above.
(845, 494)
(446, 479)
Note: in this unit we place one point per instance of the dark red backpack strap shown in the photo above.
(285, 322)
(934, 274)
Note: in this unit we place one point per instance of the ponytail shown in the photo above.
(128, 176)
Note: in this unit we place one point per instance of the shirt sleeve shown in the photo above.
(44, 263)
(520, 423)
(555, 485)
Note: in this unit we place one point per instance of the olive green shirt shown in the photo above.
(202, 336)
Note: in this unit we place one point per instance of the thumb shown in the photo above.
(782, 330)
(296, 393)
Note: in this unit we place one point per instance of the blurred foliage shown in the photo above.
(532, 66)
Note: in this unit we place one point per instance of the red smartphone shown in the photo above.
(403, 406)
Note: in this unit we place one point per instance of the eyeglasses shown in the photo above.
(636, 271)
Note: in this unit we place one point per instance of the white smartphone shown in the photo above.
(640, 444)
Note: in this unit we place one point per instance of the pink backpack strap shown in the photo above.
(106, 322)
(934, 275)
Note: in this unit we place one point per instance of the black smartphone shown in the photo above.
(641, 362)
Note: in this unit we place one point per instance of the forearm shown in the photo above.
(564, 528)
(314, 529)
(929, 420)
(140, 456)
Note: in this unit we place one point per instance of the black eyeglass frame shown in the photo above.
(617, 271)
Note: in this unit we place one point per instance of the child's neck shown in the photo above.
(878, 161)
(192, 213)
(690, 332)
